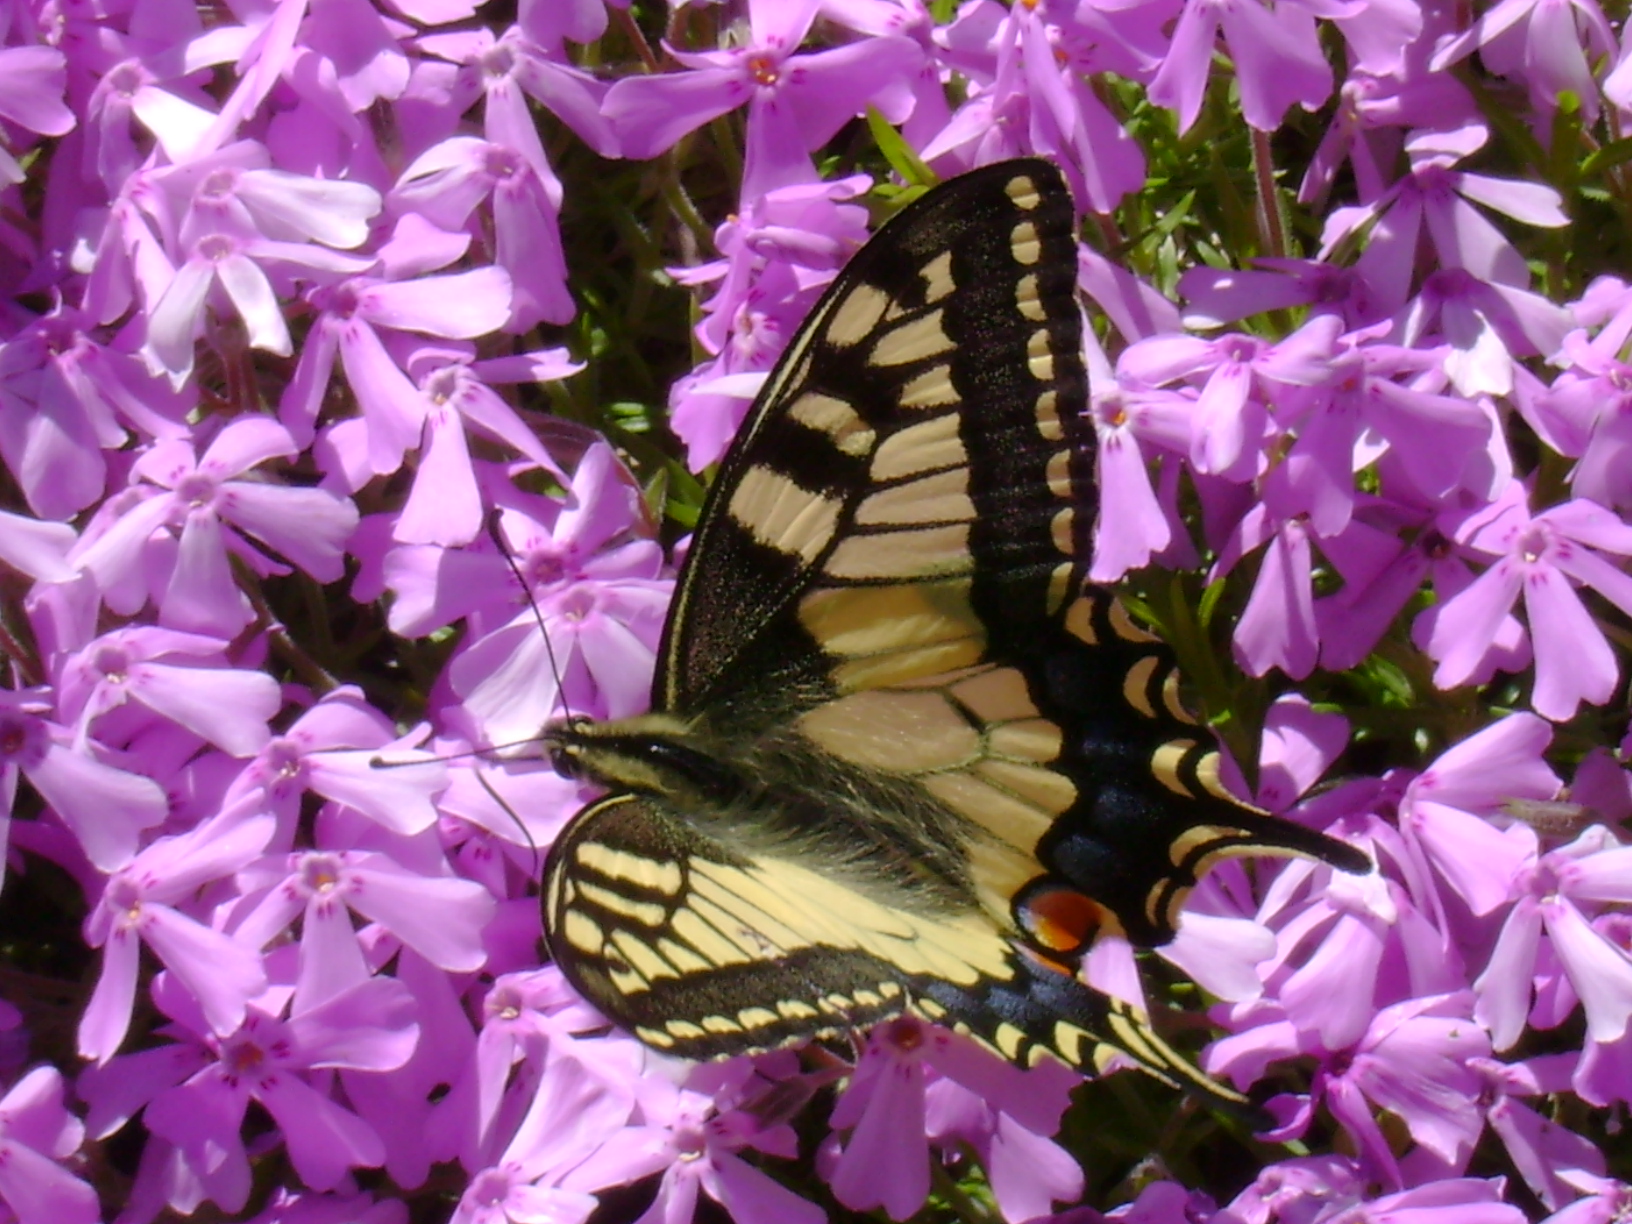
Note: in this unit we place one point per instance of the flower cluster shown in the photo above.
(337, 340)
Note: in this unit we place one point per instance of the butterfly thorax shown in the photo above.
(772, 795)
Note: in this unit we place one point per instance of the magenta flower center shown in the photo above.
(1112, 411)
(442, 385)
(320, 873)
(544, 565)
(113, 663)
(764, 69)
(1533, 543)
(491, 1187)
(346, 300)
(498, 62)
(219, 186)
(284, 758)
(216, 247)
(690, 1143)
(124, 897)
(126, 78)
(1240, 349)
(904, 1033)
(578, 604)
(503, 164)
(196, 489)
(243, 1058)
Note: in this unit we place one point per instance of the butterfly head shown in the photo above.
(562, 745)
(652, 754)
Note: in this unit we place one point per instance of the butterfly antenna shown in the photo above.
(497, 537)
(380, 762)
(511, 812)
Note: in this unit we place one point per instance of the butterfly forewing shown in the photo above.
(920, 417)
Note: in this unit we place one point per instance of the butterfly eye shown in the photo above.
(565, 761)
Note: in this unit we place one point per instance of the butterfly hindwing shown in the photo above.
(701, 952)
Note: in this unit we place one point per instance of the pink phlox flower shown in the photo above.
(239, 190)
(1541, 557)
(62, 396)
(570, 1115)
(129, 265)
(1378, 399)
(1383, 558)
(778, 254)
(1303, 1187)
(280, 1064)
(1552, 923)
(444, 505)
(600, 591)
(1603, 1076)
(1237, 376)
(1440, 200)
(116, 685)
(1277, 56)
(692, 1135)
(1069, 123)
(885, 1160)
(1133, 524)
(1220, 942)
(1589, 406)
(355, 320)
(32, 82)
(1433, 551)
(331, 749)
(1483, 326)
(1544, 1153)
(1039, 86)
(1550, 45)
(1026, 1170)
(144, 97)
(1366, 130)
(529, 1019)
(1310, 1187)
(552, 22)
(240, 214)
(448, 182)
(197, 513)
(1277, 628)
(37, 1134)
(360, 48)
(510, 166)
(1348, 944)
(1445, 813)
(1414, 1062)
(143, 904)
(505, 72)
(796, 102)
(104, 807)
(439, 917)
